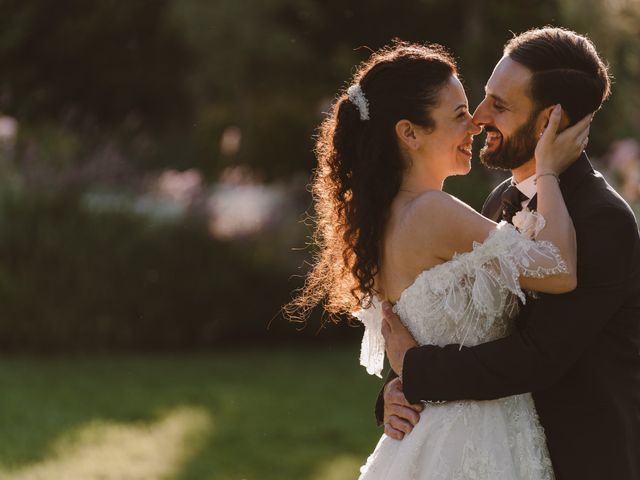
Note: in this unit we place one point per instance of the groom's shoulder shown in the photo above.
(597, 195)
(596, 206)
(496, 193)
(502, 186)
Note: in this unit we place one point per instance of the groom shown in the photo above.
(579, 353)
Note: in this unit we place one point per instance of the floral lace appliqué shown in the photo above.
(469, 299)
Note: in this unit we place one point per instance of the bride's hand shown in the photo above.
(555, 152)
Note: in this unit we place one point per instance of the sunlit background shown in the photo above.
(154, 162)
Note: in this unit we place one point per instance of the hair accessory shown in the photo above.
(356, 96)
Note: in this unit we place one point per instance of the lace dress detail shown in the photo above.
(467, 300)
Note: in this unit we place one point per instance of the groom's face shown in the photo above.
(508, 117)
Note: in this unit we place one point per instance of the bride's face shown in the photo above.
(448, 145)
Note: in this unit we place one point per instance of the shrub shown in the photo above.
(72, 279)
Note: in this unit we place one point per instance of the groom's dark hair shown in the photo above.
(566, 70)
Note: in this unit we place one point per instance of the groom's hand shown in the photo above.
(397, 337)
(399, 415)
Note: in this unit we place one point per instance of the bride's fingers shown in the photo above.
(580, 129)
(582, 139)
(393, 432)
(584, 122)
(405, 413)
(398, 424)
(583, 145)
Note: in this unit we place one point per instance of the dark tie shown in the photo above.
(512, 199)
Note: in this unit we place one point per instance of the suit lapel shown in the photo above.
(493, 206)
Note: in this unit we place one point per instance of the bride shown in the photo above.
(386, 231)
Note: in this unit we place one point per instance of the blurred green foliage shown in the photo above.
(178, 72)
(107, 93)
(75, 279)
(92, 61)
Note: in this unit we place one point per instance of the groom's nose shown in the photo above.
(482, 115)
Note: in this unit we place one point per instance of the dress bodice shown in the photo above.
(471, 298)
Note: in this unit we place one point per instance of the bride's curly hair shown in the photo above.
(360, 170)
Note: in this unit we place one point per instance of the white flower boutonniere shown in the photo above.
(529, 223)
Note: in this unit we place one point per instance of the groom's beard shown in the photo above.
(514, 151)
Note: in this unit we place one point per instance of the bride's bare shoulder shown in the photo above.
(435, 208)
(443, 222)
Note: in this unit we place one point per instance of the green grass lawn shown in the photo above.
(233, 415)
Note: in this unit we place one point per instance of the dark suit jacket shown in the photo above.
(579, 352)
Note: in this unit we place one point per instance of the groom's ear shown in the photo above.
(543, 120)
(406, 133)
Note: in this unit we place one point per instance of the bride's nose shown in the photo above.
(472, 128)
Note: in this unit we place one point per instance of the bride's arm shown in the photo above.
(440, 225)
(550, 153)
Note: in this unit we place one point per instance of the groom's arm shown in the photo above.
(557, 329)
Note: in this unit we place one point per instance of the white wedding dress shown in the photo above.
(468, 300)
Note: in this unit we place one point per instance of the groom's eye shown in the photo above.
(499, 108)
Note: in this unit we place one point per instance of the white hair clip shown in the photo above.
(356, 96)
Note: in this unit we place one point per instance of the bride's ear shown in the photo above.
(406, 133)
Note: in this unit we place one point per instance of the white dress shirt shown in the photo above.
(527, 187)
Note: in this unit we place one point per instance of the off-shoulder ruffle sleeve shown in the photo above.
(508, 254)
(372, 348)
(475, 288)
